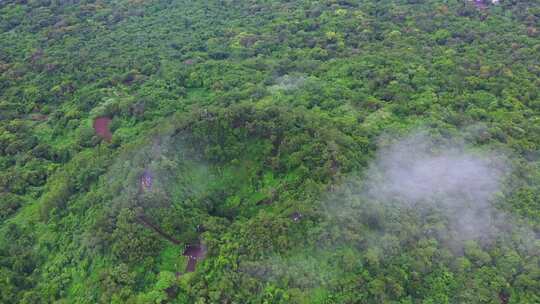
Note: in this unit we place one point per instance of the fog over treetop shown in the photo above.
(416, 168)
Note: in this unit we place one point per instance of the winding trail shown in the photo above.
(147, 223)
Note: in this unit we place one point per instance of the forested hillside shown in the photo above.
(293, 151)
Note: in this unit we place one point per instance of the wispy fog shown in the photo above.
(420, 173)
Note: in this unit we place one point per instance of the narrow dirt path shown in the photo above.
(101, 126)
(147, 223)
(194, 253)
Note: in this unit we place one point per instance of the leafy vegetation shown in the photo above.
(247, 127)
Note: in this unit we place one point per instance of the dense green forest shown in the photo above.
(269, 151)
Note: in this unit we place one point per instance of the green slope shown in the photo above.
(259, 123)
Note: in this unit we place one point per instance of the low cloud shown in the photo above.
(426, 175)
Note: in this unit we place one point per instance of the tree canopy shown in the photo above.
(177, 151)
